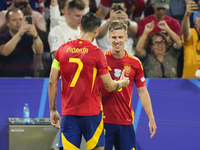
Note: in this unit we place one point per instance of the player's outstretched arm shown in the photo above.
(111, 85)
(146, 103)
(52, 92)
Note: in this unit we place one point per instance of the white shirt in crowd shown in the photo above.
(61, 34)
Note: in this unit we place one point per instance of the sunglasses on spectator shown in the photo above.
(157, 43)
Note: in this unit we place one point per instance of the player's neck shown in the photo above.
(87, 36)
(118, 54)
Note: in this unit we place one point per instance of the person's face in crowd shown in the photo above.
(158, 46)
(159, 12)
(75, 16)
(118, 39)
(15, 21)
(197, 22)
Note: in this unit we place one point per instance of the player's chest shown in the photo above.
(116, 68)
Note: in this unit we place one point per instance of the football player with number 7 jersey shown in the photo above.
(79, 62)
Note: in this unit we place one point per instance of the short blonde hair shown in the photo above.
(117, 25)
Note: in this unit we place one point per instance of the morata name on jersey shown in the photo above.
(77, 50)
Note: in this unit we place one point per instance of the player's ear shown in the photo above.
(80, 26)
(96, 30)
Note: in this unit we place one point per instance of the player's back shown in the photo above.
(80, 62)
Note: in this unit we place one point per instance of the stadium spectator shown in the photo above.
(57, 11)
(160, 8)
(80, 63)
(191, 42)
(117, 12)
(18, 46)
(35, 4)
(117, 106)
(134, 9)
(68, 30)
(160, 64)
(40, 25)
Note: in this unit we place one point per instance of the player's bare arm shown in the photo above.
(111, 85)
(52, 92)
(146, 103)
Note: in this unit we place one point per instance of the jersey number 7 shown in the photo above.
(78, 71)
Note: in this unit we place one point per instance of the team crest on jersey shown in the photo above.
(117, 72)
(127, 68)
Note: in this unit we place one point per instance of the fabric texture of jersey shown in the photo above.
(80, 63)
(117, 106)
(72, 128)
(173, 24)
(191, 55)
(122, 137)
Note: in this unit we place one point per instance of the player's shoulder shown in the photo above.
(133, 59)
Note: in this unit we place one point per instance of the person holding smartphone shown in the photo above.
(191, 42)
(18, 46)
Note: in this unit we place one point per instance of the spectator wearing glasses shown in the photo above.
(161, 64)
(160, 8)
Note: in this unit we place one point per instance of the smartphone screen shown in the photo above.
(29, 19)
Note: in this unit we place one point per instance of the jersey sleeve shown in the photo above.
(139, 78)
(56, 63)
(102, 63)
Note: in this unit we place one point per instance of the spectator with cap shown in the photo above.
(191, 42)
(160, 7)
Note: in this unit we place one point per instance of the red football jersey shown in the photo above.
(80, 63)
(117, 106)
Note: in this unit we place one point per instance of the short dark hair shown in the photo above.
(79, 4)
(89, 22)
(61, 3)
(14, 9)
(117, 25)
(117, 1)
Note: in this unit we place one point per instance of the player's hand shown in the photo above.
(152, 127)
(124, 80)
(55, 119)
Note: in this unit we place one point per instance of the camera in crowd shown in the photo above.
(21, 5)
(117, 7)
